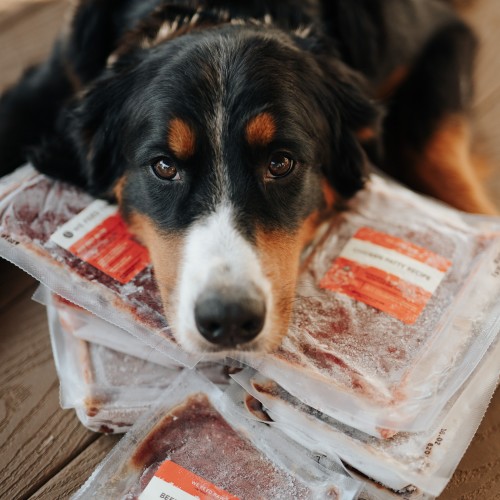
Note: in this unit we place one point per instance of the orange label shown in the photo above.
(99, 236)
(388, 273)
(173, 482)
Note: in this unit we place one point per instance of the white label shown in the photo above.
(157, 489)
(392, 262)
(81, 224)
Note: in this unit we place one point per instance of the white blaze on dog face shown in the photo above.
(216, 257)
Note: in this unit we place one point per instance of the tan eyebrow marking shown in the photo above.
(260, 130)
(181, 138)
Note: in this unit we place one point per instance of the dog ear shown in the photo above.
(355, 120)
(85, 147)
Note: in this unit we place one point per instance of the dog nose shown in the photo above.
(230, 318)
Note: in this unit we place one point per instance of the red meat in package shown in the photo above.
(100, 267)
(195, 444)
(109, 389)
(396, 306)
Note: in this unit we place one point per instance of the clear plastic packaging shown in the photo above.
(380, 369)
(391, 365)
(87, 327)
(424, 461)
(109, 390)
(32, 208)
(195, 441)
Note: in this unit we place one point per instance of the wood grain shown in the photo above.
(37, 438)
(478, 474)
(69, 479)
(13, 282)
(27, 35)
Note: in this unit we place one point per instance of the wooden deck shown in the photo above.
(45, 453)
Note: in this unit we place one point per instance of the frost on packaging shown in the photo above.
(108, 389)
(395, 307)
(80, 248)
(423, 461)
(193, 445)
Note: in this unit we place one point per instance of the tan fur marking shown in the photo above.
(392, 82)
(165, 252)
(446, 169)
(118, 189)
(181, 139)
(260, 130)
(366, 134)
(328, 194)
(280, 256)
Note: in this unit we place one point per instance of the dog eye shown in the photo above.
(280, 165)
(164, 171)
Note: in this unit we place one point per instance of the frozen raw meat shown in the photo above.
(395, 307)
(33, 208)
(423, 461)
(108, 389)
(196, 443)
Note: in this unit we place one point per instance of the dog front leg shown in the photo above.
(427, 131)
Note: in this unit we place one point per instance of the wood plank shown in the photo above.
(26, 38)
(478, 474)
(74, 475)
(37, 438)
(13, 282)
(11, 8)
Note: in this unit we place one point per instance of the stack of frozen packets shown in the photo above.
(395, 308)
(393, 355)
(109, 385)
(397, 303)
(190, 439)
(418, 465)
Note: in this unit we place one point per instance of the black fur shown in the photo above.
(80, 121)
(30, 109)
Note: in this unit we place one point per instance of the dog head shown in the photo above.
(224, 148)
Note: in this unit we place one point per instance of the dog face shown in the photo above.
(224, 147)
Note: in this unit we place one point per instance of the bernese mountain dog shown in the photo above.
(227, 131)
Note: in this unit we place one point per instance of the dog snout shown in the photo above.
(230, 317)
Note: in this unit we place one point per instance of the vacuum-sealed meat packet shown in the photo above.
(109, 390)
(381, 366)
(195, 445)
(424, 461)
(395, 308)
(87, 327)
(94, 329)
(73, 260)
